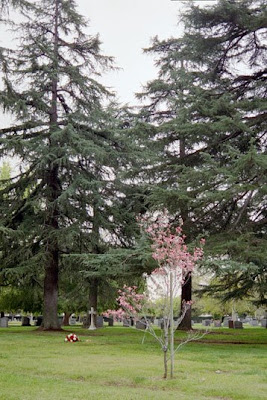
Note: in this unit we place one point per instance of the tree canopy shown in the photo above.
(208, 105)
(69, 143)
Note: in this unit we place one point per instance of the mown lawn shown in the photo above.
(112, 363)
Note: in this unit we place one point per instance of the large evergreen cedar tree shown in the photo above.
(64, 200)
(208, 105)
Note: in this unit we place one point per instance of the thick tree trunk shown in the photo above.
(50, 320)
(66, 318)
(186, 323)
(93, 293)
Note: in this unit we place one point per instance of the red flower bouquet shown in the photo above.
(71, 338)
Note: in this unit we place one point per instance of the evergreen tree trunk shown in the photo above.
(50, 320)
(66, 318)
(50, 313)
(94, 282)
(93, 293)
(186, 294)
(92, 301)
(186, 323)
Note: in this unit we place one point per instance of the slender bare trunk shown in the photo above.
(165, 348)
(165, 364)
(171, 325)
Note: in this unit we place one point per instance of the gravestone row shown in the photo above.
(227, 322)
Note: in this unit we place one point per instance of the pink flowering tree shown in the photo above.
(175, 261)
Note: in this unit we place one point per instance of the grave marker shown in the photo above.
(72, 320)
(109, 320)
(25, 321)
(126, 322)
(264, 322)
(4, 322)
(238, 325)
(226, 321)
(99, 321)
(39, 320)
(231, 324)
(92, 326)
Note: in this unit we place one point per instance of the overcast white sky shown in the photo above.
(125, 28)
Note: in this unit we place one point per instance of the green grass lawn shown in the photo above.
(112, 363)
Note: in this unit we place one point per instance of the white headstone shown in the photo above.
(72, 320)
(92, 326)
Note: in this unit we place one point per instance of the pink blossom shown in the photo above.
(172, 255)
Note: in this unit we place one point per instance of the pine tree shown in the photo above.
(67, 141)
(208, 107)
(232, 37)
(5, 174)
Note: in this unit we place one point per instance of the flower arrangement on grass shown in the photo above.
(71, 338)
